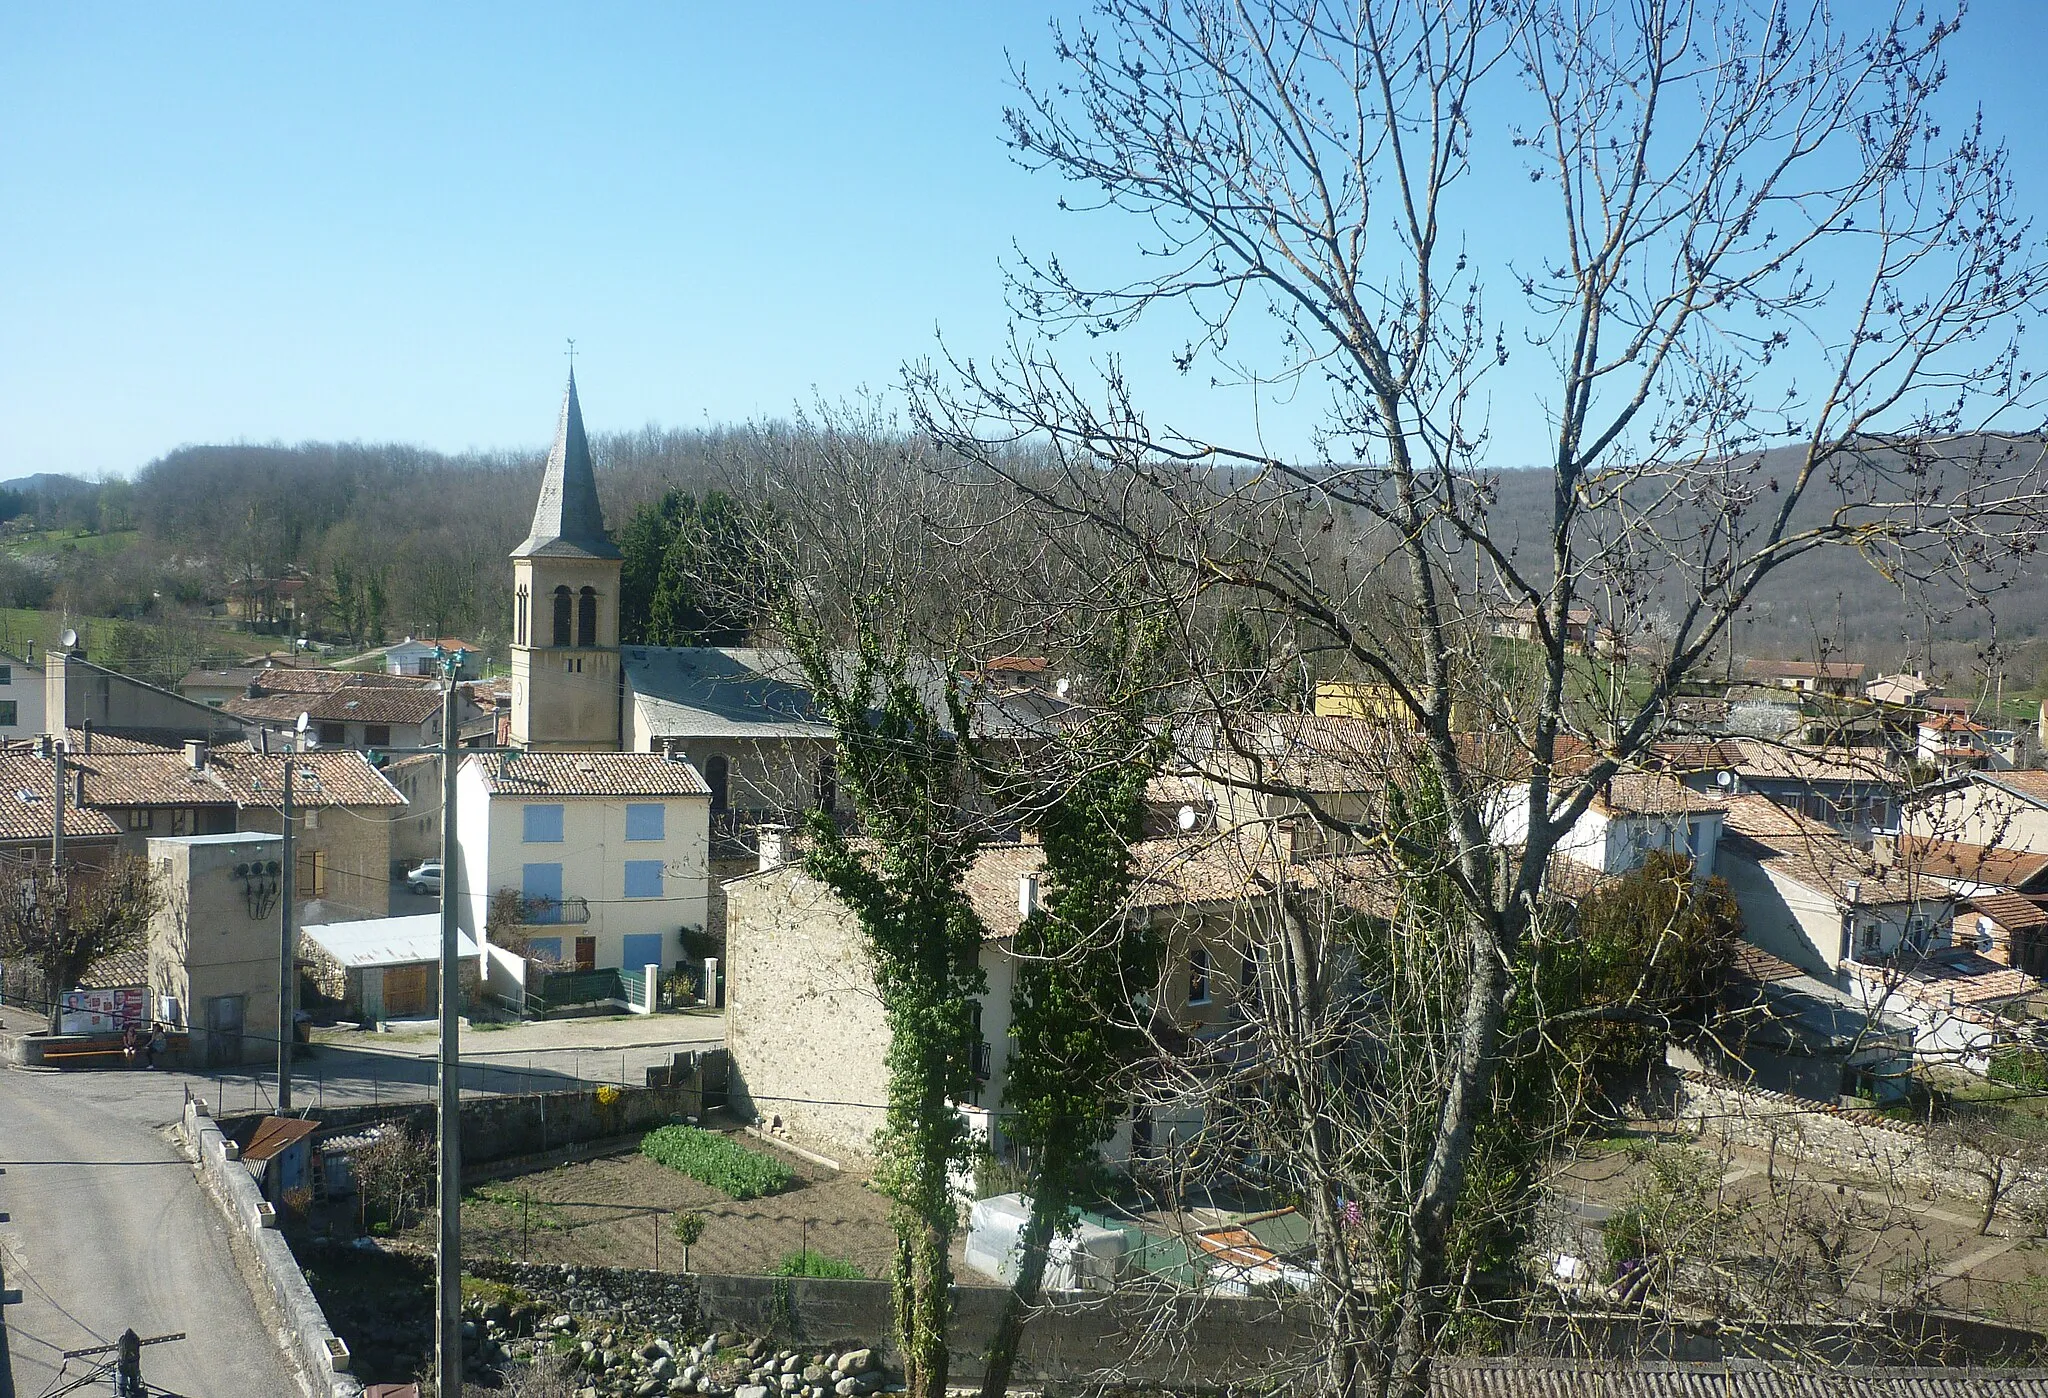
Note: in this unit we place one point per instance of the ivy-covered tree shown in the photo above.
(1075, 1035)
(904, 882)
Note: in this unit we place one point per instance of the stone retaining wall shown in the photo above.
(1843, 1139)
(304, 1330)
(1178, 1339)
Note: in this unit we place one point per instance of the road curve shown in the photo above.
(109, 1229)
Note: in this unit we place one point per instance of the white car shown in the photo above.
(426, 878)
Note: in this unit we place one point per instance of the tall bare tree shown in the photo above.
(1773, 295)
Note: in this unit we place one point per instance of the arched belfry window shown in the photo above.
(519, 618)
(562, 615)
(586, 617)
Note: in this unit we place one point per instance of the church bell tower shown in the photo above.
(565, 607)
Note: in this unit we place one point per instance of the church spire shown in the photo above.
(568, 522)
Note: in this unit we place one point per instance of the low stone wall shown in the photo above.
(304, 1330)
(532, 1123)
(1843, 1139)
(1078, 1339)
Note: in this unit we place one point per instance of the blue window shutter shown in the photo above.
(542, 825)
(542, 882)
(643, 878)
(544, 948)
(647, 822)
(640, 949)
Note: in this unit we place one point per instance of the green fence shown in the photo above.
(554, 989)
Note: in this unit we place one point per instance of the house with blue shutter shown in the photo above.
(607, 852)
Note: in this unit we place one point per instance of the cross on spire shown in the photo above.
(572, 357)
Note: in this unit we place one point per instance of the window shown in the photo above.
(1198, 976)
(716, 774)
(1247, 973)
(7, 713)
(562, 615)
(6, 674)
(141, 819)
(376, 735)
(544, 949)
(541, 886)
(541, 825)
(519, 617)
(312, 873)
(573, 665)
(332, 735)
(647, 822)
(181, 822)
(643, 878)
(586, 617)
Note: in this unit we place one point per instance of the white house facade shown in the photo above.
(609, 853)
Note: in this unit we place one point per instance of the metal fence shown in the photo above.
(551, 990)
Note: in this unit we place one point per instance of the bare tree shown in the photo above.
(66, 922)
(1761, 235)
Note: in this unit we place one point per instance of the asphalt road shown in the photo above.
(108, 1229)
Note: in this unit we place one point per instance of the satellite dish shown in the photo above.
(1724, 780)
(301, 724)
(69, 638)
(1187, 817)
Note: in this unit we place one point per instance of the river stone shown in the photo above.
(815, 1374)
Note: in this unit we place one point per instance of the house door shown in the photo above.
(409, 990)
(223, 1030)
(586, 953)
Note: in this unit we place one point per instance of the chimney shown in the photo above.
(254, 691)
(1884, 851)
(195, 754)
(774, 844)
(1027, 895)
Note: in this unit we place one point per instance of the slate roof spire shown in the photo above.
(568, 522)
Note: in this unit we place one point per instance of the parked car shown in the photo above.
(426, 878)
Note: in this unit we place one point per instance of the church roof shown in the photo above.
(568, 522)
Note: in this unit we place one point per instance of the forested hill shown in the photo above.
(1835, 593)
(393, 539)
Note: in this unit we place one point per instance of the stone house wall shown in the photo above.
(803, 1023)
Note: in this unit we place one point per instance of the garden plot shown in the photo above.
(617, 1210)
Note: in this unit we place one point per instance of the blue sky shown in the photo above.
(379, 222)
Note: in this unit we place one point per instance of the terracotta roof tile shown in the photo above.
(2012, 911)
(1810, 853)
(1989, 864)
(335, 777)
(146, 778)
(591, 774)
(341, 697)
(25, 792)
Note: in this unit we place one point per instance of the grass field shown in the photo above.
(46, 542)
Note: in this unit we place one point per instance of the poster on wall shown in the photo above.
(103, 1011)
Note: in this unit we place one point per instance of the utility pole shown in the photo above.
(448, 1119)
(58, 893)
(287, 968)
(128, 1367)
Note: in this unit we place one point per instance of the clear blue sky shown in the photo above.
(378, 222)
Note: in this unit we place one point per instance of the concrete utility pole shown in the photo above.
(56, 881)
(448, 1119)
(287, 969)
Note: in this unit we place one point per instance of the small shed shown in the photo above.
(279, 1155)
(385, 967)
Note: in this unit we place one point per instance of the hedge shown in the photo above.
(716, 1160)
